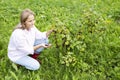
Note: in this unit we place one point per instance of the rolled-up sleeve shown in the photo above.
(22, 45)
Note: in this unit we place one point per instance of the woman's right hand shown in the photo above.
(45, 45)
(41, 45)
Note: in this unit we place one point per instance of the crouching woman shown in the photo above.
(23, 42)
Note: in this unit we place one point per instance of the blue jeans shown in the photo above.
(28, 61)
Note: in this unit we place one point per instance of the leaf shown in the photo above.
(14, 66)
(14, 75)
(66, 42)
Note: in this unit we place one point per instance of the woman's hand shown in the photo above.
(45, 45)
(41, 45)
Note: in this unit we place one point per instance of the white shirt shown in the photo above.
(22, 41)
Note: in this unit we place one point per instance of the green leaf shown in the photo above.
(14, 75)
(14, 66)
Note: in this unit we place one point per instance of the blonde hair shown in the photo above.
(23, 17)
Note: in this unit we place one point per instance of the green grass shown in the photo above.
(88, 34)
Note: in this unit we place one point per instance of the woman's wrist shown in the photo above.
(41, 45)
(49, 32)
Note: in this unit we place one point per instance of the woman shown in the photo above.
(22, 42)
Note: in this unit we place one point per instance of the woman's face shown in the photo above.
(29, 22)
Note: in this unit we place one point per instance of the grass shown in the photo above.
(96, 48)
